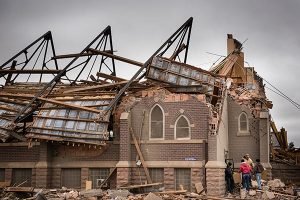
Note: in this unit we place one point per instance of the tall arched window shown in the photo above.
(182, 128)
(156, 122)
(243, 124)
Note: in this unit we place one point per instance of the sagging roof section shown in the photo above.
(58, 110)
(76, 105)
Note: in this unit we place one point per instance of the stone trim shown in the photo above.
(215, 165)
(22, 164)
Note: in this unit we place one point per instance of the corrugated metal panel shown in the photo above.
(74, 125)
(175, 73)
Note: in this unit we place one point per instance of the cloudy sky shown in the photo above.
(271, 28)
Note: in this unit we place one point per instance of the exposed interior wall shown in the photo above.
(240, 145)
(222, 137)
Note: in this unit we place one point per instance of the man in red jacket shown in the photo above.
(245, 169)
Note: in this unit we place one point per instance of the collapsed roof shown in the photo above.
(76, 105)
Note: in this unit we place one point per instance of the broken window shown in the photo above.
(97, 176)
(71, 178)
(243, 124)
(73, 113)
(61, 113)
(21, 176)
(83, 115)
(39, 123)
(157, 122)
(183, 179)
(81, 125)
(92, 126)
(48, 122)
(70, 124)
(2, 175)
(182, 130)
(58, 123)
(183, 81)
(157, 175)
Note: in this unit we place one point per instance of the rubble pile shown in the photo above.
(273, 189)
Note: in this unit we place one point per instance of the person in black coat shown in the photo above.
(229, 178)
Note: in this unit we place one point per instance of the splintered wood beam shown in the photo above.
(13, 101)
(126, 60)
(114, 78)
(69, 105)
(21, 96)
(141, 156)
(3, 107)
(25, 71)
(111, 172)
(109, 85)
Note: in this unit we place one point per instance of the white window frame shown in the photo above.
(175, 128)
(150, 123)
(243, 132)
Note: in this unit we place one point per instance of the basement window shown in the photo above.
(97, 176)
(157, 175)
(243, 124)
(183, 179)
(2, 175)
(157, 123)
(21, 176)
(182, 130)
(71, 178)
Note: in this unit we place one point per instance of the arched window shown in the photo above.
(182, 128)
(156, 122)
(243, 124)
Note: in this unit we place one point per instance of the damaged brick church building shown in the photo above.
(172, 125)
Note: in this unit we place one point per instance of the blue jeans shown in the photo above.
(258, 179)
(246, 181)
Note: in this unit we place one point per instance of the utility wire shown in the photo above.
(283, 95)
(292, 102)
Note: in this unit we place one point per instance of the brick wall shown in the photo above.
(85, 153)
(19, 154)
(240, 145)
(169, 152)
(56, 178)
(195, 111)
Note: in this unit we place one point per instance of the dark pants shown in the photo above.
(229, 184)
(246, 181)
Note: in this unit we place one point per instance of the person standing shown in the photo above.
(245, 169)
(248, 160)
(258, 169)
(229, 178)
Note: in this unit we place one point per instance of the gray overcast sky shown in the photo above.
(140, 27)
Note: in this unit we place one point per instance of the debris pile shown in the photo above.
(273, 189)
